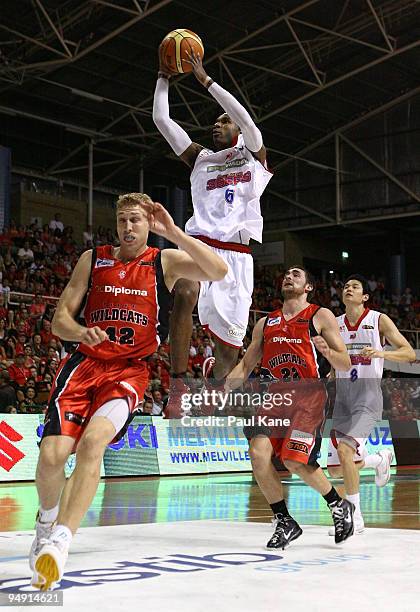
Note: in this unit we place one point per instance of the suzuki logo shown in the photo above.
(9, 454)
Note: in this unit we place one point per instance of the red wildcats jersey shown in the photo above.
(289, 353)
(129, 301)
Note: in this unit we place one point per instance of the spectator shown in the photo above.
(7, 392)
(46, 333)
(10, 348)
(56, 223)
(29, 360)
(88, 237)
(39, 351)
(37, 308)
(17, 371)
(3, 330)
(25, 253)
(208, 349)
(3, 310)
(147, 407)
(197, 361)
(29, 405)
(157, 407)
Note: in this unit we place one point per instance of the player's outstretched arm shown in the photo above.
(173, 133)
(252, 135)
(403, 352)
(253, 355)
(64, 324)
(196, 261)
(329, 342)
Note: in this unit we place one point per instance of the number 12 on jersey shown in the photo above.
(124, 335)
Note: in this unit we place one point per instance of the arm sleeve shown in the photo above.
(170, 130)
(252, 135)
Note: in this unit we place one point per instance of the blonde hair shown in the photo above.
(128, 200)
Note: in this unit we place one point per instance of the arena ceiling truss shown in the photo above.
(77, 80)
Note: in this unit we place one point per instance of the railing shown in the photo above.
(15, 298)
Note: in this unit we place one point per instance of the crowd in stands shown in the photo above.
(35, 265)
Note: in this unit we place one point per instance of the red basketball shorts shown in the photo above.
(299, 437)
(83, 384)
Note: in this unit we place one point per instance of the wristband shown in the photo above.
(208, 82)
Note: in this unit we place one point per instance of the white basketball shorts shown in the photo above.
(223, 306)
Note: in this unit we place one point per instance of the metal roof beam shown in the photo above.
(122, 9)
(54, 28)
(380, 26)
(381, 169)
(380, 109)
(95, 164)
(34, 41)
(310, 63)
(301, 206)
(341, 78)
(271, 71)
(98, 43)
(339, 35)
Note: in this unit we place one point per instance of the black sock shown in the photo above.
(280, 508)
(332, 496)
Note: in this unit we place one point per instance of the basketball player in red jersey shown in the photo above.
(123, 295)
(296, 345)
(226, 186)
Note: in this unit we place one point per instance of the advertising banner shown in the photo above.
(189, 449)
(153, 445)
(19, 437)
(135, 454)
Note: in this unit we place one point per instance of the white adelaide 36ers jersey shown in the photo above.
(364, 334)
(226, 187)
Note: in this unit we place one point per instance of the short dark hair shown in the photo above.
(362, 280)
(310, 279)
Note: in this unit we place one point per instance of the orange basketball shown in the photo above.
(176, 48)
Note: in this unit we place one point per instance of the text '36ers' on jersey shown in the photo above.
(364, 334)
(129, 301)
(226, 187)
(289, 352)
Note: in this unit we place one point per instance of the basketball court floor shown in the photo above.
(197, 543)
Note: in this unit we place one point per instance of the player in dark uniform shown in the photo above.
(123, 293)
(296, 345)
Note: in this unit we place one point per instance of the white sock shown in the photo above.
(48, 516)
(62, 534)
(355, 499)
(372, 461)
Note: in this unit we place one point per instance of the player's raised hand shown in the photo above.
(160, 221)
(372, 353)
(321, 346)
(93, 336)
(198, 70)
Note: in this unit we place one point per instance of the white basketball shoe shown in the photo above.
(42, 533)
(383, 470)
(50, 562)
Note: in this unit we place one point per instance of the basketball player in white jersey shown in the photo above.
(358, 403)
(226, 186)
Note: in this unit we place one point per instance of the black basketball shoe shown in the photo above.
(342, 513)
(286, 530)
